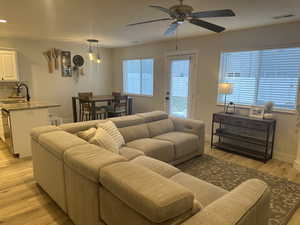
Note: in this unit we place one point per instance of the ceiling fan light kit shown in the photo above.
(181, 13)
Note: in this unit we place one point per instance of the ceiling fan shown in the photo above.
(180, 13)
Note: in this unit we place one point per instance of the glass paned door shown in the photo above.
(179, 87)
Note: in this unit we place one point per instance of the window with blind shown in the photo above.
(262, 76)
(138, 76)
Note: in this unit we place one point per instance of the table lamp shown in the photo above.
(225, 89)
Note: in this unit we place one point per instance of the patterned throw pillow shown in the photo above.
(104, 140)
(113, 131)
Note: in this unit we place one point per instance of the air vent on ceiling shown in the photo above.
(283, 16)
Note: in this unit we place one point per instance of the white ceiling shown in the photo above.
(78, 20)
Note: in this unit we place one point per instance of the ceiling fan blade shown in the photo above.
(165, 10)
(207, 25)
(149, 21)
(172, 28)
(214, 13)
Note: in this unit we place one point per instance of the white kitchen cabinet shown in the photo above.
(8, 66)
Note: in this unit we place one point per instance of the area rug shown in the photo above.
(285, 195)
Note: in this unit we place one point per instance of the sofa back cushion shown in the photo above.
(125, 121)
(153, 116)
(87, 160)
(160, 127)
(58, 142)
(132, 133)
(74, 128)
(155, 197)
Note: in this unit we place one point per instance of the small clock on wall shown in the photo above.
(78, 62)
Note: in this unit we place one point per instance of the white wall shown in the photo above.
(53, 87)
(209, 48)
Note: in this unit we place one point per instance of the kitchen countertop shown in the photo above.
(27, 105)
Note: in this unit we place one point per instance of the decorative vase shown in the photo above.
(268, 116)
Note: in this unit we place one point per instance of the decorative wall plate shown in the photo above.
(78, 60)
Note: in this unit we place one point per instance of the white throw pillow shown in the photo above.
(103, 139)
(87, 134)
(113, 131)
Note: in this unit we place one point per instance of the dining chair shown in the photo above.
(119, 106)
(86, 108)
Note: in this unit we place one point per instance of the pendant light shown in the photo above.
(98, 60)
(90, 51)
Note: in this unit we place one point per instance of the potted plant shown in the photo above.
(268, 110)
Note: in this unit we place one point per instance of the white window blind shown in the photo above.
(262, 76)
(138, 76)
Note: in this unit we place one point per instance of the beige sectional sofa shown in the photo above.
(139, 186)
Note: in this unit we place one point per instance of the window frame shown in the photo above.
(124, 78)
(243, 106)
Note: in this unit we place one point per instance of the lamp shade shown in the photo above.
(225, 88)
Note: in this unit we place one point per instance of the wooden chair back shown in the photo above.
(121, 102)
(116, 93)
(85, 95)
(84, 104)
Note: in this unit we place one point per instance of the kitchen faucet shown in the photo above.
(19, 86)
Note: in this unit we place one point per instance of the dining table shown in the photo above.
(98, 98)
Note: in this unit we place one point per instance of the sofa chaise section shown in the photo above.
(82, 166)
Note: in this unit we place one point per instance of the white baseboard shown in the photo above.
(283, 157)
(297, 165)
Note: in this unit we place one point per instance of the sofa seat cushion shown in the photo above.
(184, 143)
(130, 153)
(204, 192)
(157, 166)
(155, 197)
(158, 149)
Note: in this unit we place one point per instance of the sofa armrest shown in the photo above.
(190, 126)
(38, 131)
(155, 197)
(246, 204)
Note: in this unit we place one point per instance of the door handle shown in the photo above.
(167, 98)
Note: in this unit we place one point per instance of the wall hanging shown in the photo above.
(78, 62)
(66, 64)
(52, 57)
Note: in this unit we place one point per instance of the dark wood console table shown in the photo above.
(244, 135)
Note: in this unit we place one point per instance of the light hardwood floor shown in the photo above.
(22, 202)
